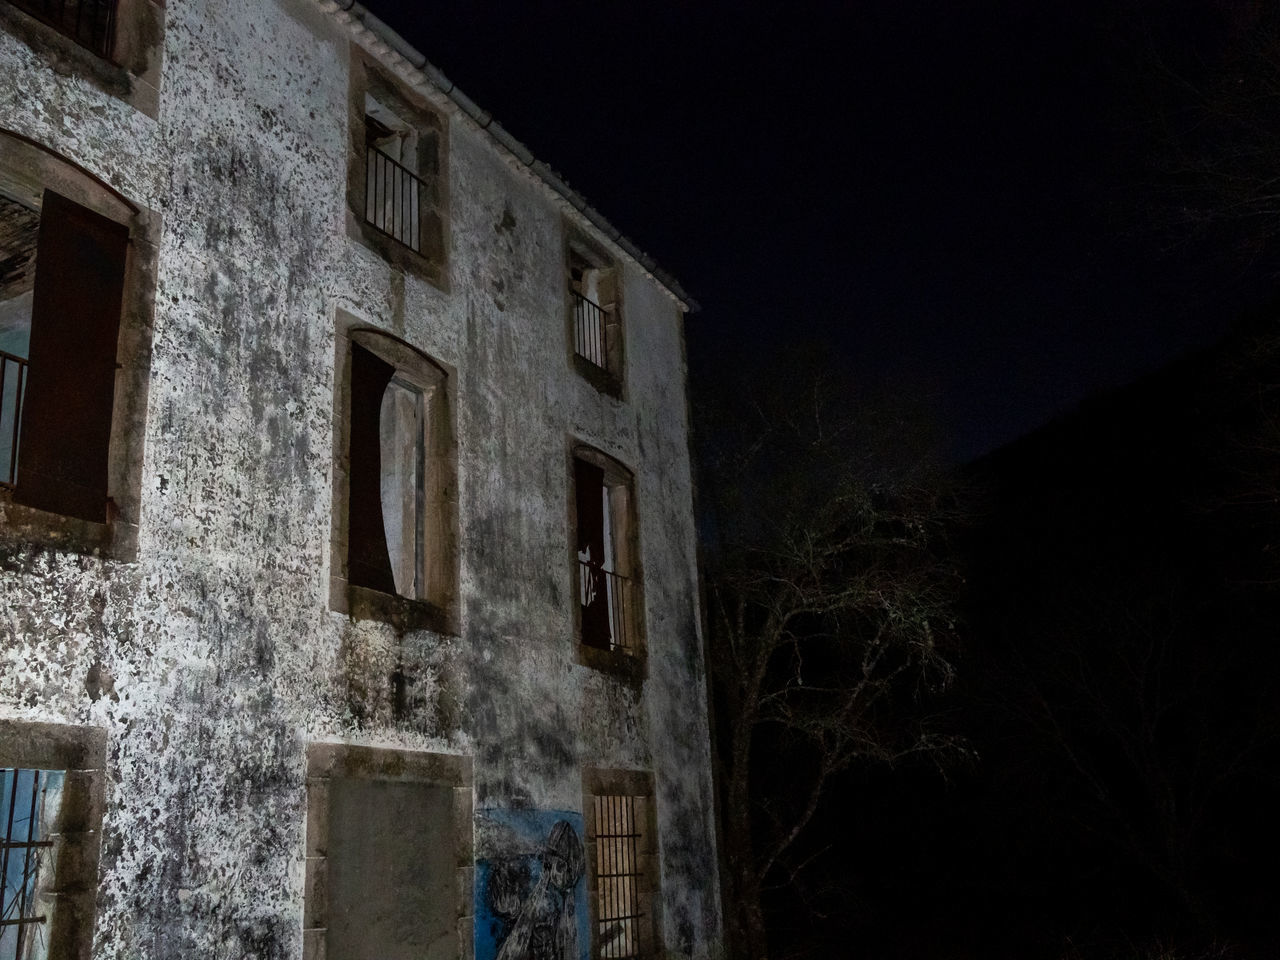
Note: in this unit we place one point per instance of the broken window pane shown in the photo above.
(402, 441)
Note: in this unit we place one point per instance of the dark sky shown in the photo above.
(941, 195)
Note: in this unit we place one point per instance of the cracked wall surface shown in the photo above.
(213, 658)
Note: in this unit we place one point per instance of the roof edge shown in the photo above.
(417, 61)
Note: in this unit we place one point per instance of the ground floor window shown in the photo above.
(622, 858)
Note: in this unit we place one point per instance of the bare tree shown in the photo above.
(830, 603)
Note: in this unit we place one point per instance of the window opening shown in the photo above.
(393, 190)
(400, 507)
(591, 288)
(90, 23)
(59, 343)
(605, 590)
(618, 876)
(19, 230)
(29, 804)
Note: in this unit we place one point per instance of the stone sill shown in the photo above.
(626, 667)
(27, 525)
(361, 603)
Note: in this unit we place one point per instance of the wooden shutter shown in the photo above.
(368, 563)
(75, 326)
(588, 480)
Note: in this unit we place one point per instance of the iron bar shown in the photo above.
(393, 199)
(23, 891)
(589, 330)
(616, 590)
(8, 832)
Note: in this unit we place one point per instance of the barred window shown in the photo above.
(618, 876)
(29, 803)
(51, 799)
(622, 863)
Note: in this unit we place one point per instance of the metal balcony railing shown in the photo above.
(597, 585)
(589, 320)
(13, 385)
(90, 23)
(393, 199)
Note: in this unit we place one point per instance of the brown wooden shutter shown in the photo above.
(588, 480)
(75, 326)
(368, 563)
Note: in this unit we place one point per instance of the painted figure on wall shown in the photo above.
(530, 894)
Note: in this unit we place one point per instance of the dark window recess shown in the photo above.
(90, 23)
(368, 562)
(63, 438)
(29, 801)
(589, 495)
(603, 593)
(618, 876)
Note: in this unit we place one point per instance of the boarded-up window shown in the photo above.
(389, 855)
(392, 871)
(65, 432)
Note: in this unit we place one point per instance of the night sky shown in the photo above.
(947, 197)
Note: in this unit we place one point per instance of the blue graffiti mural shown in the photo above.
(531, 900)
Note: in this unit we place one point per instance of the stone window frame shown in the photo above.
(27, 167)
(81, 752)
(131, 73)
(631, 667)
(639, 784)
(610, 380)
(326, 761)
(368, 78)
(439, 612)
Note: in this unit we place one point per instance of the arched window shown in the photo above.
(74, 311)
(606, 562)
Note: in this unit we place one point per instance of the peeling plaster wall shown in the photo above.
(214, 657)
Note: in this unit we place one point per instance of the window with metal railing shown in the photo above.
(90, 23)
(29, 803)
(609, 592)
(593, 296)
(607, 568)
(590, 330)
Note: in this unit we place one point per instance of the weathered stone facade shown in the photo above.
(210, 645)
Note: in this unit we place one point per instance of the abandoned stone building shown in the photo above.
(348, 585)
